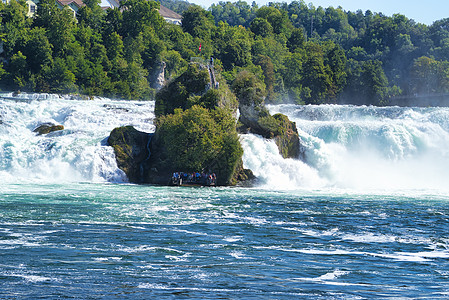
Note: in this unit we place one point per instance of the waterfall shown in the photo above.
(360, 147)
(344, 147)
(77, 153)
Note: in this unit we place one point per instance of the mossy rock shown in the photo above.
(131, 151)
(47, 128)
(287, 138)
(278, 127)
(243, 176)
(193, 82)
(195, 132)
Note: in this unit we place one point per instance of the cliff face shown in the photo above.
(159, 76)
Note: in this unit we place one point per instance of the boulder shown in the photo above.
(257, 120)
(255, 117)
(46, 128)
(131, 151)
(287, 138)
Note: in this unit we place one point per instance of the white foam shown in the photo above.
(333, 275)
(237, 254)
(398, 256)
(263, 158)
(30, 277)
(232, 239)
(158, 286)
(76, 154)
(369, 148)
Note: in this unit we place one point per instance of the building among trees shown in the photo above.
(74, 5)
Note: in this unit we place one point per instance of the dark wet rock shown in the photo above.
(46, 128)
(243, 176)
(131, 151)
(115, 108)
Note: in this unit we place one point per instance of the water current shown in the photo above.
(363, 213)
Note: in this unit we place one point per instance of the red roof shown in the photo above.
(168, 13)
(79, 3)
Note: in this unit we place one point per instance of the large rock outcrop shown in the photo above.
(131, 152)
(286, 137)
(158, 79)
(195, 132)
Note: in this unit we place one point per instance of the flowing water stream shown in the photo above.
(364, 213)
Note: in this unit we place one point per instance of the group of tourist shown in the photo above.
(180, 178)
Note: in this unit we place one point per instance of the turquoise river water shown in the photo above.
(363, 213)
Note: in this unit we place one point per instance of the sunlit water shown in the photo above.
(330, 227)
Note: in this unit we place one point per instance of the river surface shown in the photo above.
(363, 213)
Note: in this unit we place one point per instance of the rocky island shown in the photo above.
(197, 129)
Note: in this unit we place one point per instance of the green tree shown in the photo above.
(38, 50)
(152, 47)
(296, 40)
(261, 27)
(114, 45)
(199, 139)
(367, 84)
(234, 46)
(335, 60)
(175, 64)
(429, 76)
(14, 25)
(314, 74)
(235, 14)
(293, 78)
(138, 15)
(198, 22)
(91, 14)
(269, 76)
(46, 10)
(18, 70)
(248, 89)
(60, 31)
(278, 19)
(59, 78)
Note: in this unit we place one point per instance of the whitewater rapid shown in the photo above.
(342, 147)
(371, 148)
(79, 153)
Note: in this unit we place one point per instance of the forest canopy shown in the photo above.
(301, 53)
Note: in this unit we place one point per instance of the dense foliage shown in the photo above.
(301, 53)
(329, 54)
(200, 139)
(196, 127)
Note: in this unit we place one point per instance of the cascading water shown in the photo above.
(345, 147)
(362, 148)
(79, 152)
